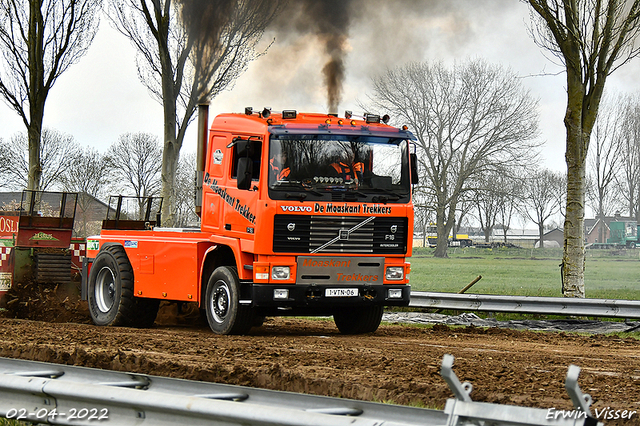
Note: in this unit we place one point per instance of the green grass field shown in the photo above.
(609, 274)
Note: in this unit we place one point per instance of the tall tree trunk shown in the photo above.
(541, 234)
(171, 151)
(170, 157)
(35, 166)
(577, 145)
(443, 229)
(37, 92)
(574, 255)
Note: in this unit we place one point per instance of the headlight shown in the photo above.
(394, 273)
(280, 273)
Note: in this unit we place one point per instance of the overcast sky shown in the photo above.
(100, 98)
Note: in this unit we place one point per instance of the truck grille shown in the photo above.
(306, 233)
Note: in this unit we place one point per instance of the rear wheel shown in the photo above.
(225, 315)
(110, 292)
(359, 320)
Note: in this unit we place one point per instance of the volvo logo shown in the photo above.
(394, 228)
(291, 227)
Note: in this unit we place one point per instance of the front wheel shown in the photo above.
(225, 315)
(359, 320)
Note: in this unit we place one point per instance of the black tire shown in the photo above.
(359, 320)
(225, 315)
(110, 293)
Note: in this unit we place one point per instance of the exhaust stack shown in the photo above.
(203, 136)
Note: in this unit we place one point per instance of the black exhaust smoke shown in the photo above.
(329, 21)
(205, 22)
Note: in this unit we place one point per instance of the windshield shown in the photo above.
(346, 167)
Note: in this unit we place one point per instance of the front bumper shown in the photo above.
(315, 296)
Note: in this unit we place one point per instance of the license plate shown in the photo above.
(341, 292)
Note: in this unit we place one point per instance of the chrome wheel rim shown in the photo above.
(220, 300)
(105, 291)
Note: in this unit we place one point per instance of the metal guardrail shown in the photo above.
(527, 304)
(35, 389)
(66, 395)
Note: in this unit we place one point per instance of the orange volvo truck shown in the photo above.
(301, 214)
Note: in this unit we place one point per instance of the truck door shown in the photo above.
(240, 211)
(214, 179)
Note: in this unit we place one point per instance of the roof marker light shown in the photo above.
(372, 118)
(405, 127)
(289, 113)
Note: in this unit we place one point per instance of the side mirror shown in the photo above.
(245, 172)
(244, 148)
(414, 168)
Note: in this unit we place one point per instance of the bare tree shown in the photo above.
(542, 190)
(183, 65)
(463, 211)
(136, 162)
(604, 160)
(510, 201)
(496, 198)
(89, 176)
(592, 38)
(468, 121)
(629, 178)
(486, 198)
(39, 40)
(58, 153)
(185, 210)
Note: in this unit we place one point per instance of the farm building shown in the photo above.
(599, 230)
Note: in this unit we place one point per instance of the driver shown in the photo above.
(277, 167)
(348, 169)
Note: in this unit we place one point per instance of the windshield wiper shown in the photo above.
(384, 199)
(393, 196)
(353, 194)
(298, 189)
(298, 195)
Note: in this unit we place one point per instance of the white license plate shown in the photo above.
(341, 292)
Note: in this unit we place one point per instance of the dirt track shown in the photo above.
(397, 363)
